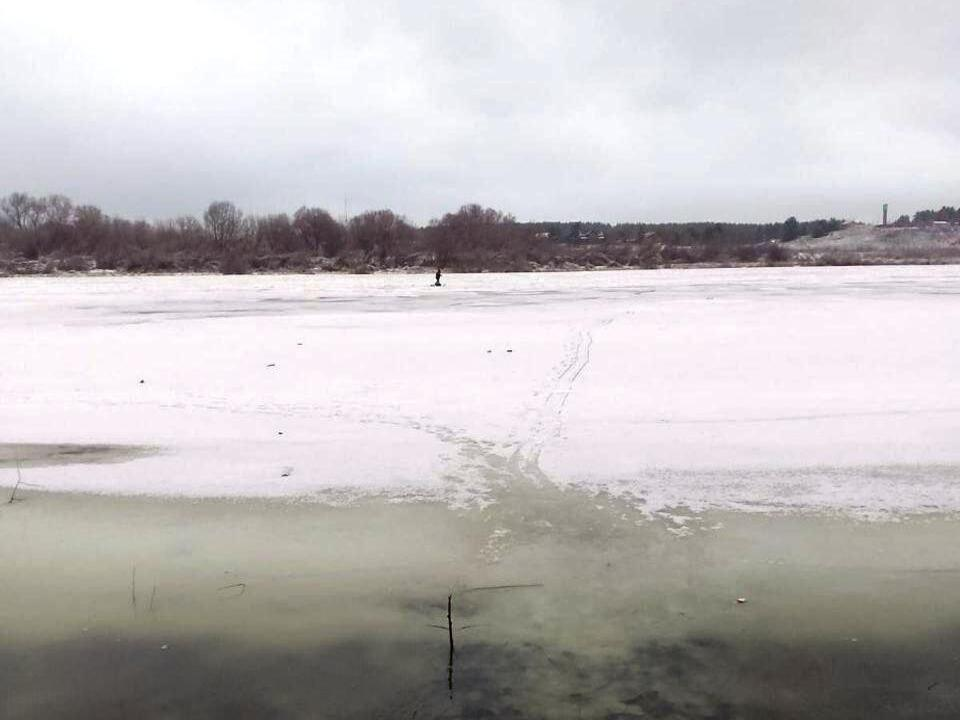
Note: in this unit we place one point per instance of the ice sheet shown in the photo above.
(827, 389)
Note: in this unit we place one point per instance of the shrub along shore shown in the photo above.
(51, 234)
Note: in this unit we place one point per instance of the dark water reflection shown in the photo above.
(207, 677)
(343, 612)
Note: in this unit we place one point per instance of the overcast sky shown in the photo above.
(645, 110)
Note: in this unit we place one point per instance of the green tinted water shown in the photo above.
(139, 607)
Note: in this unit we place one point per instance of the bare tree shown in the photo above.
(224, 223)
(473, 230)
(57, 210)
(91, 226)
(380, 231)
(319, 231)
(16, 206)
(274, 233)
(36, 213)
(441, 243)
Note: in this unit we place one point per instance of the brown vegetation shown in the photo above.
(51, 234)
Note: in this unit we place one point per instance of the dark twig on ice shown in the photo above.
(503, 587)
(450, 623)
(450, 631)
(133, 588)
(153, 595)
(13, 495)
(449, 627)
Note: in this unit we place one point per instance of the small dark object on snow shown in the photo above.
(285, 473)
(509, 350)
(141, 381)
(279, 432)
(271, 364)
(489, 351)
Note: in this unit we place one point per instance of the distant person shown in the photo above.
(437, 283)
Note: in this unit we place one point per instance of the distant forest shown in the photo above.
(47, 234)
(944, 214)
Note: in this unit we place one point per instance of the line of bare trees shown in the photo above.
(82, 236)
(40, 227)
(52, 233)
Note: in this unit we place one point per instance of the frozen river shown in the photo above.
(595, 469)
(824, 389)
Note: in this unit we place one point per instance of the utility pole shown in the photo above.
(884, 214)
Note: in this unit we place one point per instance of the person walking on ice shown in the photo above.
(437, 283)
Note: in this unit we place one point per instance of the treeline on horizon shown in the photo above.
(945, 214)
(54, 232)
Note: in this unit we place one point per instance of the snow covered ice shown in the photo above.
(800, 389)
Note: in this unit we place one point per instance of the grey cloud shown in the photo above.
(655, 110)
